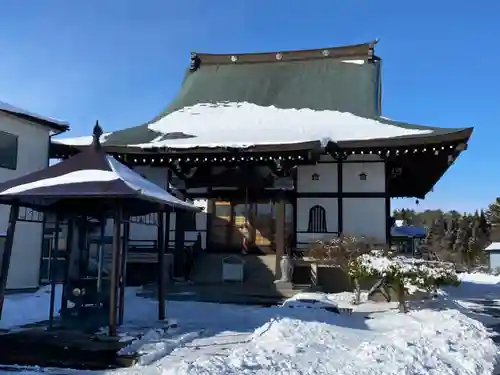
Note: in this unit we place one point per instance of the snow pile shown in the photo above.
(424, 342)
(479, 278)
(241, 125)
(20, 309)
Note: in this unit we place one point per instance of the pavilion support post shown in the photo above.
(115, 269)
(161, 266)
(123, 269)
(179, 244)
(53, 259)
(7, 252)
(282, 259)
(67, 259)
(100, 252)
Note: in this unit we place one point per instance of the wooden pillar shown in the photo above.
(209, 222)
(161, 266)
(115, 268)
(387, 207)
(7, 252)
(179, 244)
(123, 269)
(280, 234)
(53, 260)
(340, 198)
(67, 259)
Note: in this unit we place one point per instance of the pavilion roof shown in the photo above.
(92, 182)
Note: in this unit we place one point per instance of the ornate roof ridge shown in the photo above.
(363, 51)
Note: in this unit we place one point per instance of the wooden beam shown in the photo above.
(115, 264)
(53, 260)
(123, 269)
(279, 238)
(161, 265)
(7, 252)
(67, 258)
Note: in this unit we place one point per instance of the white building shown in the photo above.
(24, 148)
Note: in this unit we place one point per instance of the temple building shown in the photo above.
(282, 149)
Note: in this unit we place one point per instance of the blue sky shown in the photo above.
(121, 61)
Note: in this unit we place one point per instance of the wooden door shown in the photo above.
(221, 224)
(264, 227)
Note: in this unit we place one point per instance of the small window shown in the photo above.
(8, 150)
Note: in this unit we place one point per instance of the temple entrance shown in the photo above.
(247, 227)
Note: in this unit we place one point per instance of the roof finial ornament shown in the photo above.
(96, 135)
(195, 62)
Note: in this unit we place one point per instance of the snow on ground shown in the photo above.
(443, 337)
(25, 308)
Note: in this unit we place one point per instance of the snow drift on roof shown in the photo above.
(245, 124)
(80, 141)
(117, 171)
(10, 108)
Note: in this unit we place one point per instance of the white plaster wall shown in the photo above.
(375, 174)
(32, 155)
(365, 217)
(327, 182)
(303, 207)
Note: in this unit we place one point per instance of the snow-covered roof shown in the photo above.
(90, 174)
(242, 125)
(494, 246)
(43, 120)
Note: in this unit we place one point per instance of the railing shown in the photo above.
(149, 219)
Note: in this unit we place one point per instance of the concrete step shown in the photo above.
(259, 269)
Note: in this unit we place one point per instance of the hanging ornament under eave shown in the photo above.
(417, 202)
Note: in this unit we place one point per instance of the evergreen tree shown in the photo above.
(461, 245)
(492, 213)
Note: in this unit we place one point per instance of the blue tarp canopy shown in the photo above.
(407, 231)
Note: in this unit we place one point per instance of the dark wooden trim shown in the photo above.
(346, 52)
(161, 266)
(293, 201)
(209, 221)
(53, 259)
(387, 208)
(264, 194)
(70, 222)
(123, 269)
(345, 161)
(340, 189)
(115, 263)
(166, 235)
(341, 195)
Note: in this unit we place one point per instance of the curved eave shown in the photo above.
(439, 135)
(314, 146)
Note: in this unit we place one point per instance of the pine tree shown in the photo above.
(461, 245)
(492, 213)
